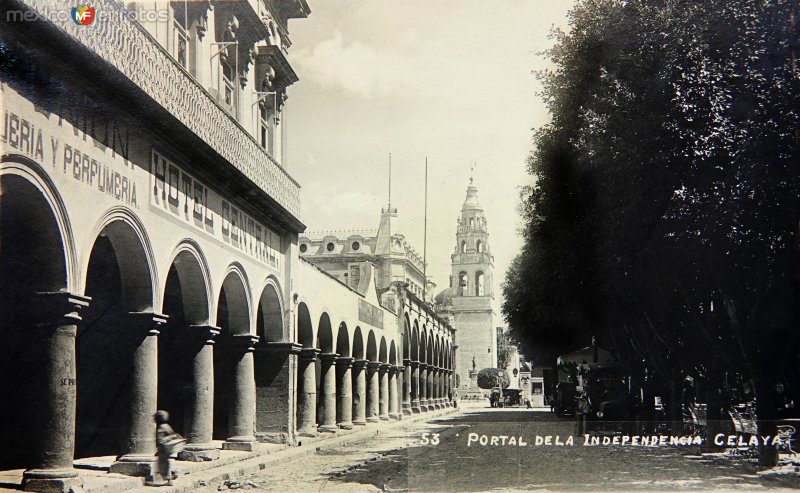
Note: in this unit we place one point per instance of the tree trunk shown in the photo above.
(766, 408)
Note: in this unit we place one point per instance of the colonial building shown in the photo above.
(149, 234)
(468, 300)
(339, 253)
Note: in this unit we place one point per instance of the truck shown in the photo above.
(610, 399)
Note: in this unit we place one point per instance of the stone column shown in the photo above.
(242, 408)
(434, 376)
(394, 411)
(199, 412)
(415, 388)
(328, 389)
(383, 371)
(431, 398)
(439, 388)
(307, 393)
(138, 454)
(423, 386)
(344, 393)
(373, 391)
(407, 386)
(359, 392)
(54, 437)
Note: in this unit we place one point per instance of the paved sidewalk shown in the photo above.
(230, 465)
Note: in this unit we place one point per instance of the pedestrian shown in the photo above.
(167, 442)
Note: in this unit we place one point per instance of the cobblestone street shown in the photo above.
(400, 461)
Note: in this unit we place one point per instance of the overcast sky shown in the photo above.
(447, 79)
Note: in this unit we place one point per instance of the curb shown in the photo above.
(249, 464)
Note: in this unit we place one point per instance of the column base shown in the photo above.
(406, 408)
(395, 416)
(327, 429)
(345, 426)
(373, 419)
(416, 410)
(307, 432)
(51, 480)
(241, 444)
(134, 465)
(199, 452)
(359, 422)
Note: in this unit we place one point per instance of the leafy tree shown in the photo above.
(664, 218)
(487, 378)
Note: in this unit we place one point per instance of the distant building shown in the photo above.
(339, 253)
(468, 300)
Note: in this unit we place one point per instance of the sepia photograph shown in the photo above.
(383, 246)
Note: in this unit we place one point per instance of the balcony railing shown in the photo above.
(119, 39)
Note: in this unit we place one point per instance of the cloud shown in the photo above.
(354, 67)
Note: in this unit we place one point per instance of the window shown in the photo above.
(356, 245)
(479, 281)
(227, 84)
(479, 246)
(330, 246)
(303, 248)
(265, 128)
(463, 246)
(181, 43)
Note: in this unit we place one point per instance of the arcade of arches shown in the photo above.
(107, 326)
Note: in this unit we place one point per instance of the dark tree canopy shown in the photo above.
(665, 212)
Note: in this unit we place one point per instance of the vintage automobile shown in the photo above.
(610, 400)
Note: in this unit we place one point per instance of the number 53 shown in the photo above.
(430, 438)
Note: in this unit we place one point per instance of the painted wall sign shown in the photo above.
(370, 314)
(73, 145)
(185, 197)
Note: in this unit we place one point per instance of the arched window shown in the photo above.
(462, 284)
(479, 280)
(479, 246)
(463, 246)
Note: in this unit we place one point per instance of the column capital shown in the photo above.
(58, 308)
(374, 365)
(145, 321)
(360, 363)
(279, 347)
(407, 361)
(309, 353)
(423, 366)
(205, 333)
(245, 342)
(384, 367)
(344, 361)
(329, 358)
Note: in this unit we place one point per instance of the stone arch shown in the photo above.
(463, 284)
(37, 257)
(383, 356)
(372, 347)
(233, 320)
(463, 248)
(233, 307)
(189, 273)
(324, 334)
(406, 342)
(392, 354)
(343, 340)
(358, 344)
(305, 329)
(423, 346)
(480, 279)
(120, 278)
(479, 246)
(269, 313)
(415, 342)
(186, 302)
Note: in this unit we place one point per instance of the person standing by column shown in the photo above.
(166, 441)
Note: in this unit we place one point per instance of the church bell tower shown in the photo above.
(471, 282)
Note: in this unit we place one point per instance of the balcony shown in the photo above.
(116, 37)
